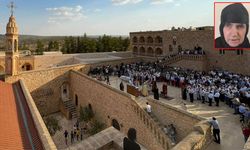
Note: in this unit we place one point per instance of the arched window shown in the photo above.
(158, 39)
(150, 51)
(142, 50)
(135, 39)
(150, 39)
(135, 49)
(170, 48)
(158, 51)
(142, 39)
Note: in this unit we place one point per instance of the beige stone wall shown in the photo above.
(182, 120)
(189, 63)
(44, 61)
(44, 86)
(109, 103)
(188, 39)
(43, 132)
(26, 60)
(231, 61)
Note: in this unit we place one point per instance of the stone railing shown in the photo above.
(179, 57)
(156, 130)
(195, 134)
(40, 125)
(199, 139)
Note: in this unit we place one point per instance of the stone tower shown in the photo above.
(11, 54)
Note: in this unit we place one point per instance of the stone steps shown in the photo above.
(71, 108)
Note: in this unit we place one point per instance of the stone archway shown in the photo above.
(142, 50)
(142, 39)
(135, 50)
(158, 39)
(135, 39)
(116, 124)
(150, 51)
(26, 67)
(158, 51)
(65, 91)
(150, 40)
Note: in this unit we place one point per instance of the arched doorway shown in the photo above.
(76, 100)
(150, 51)
(142, 50)
(158, 51)
(65, 91)
(135, 50)
(116, 124)
(26, 67)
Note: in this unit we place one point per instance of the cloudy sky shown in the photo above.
(111, 17)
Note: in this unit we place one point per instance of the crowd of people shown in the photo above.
(211, 87)
(76, 134)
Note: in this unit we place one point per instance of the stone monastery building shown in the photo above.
(36, 86)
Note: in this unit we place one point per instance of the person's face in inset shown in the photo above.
(234, 33)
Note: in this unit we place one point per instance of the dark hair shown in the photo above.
(132, 134)
(214, 118)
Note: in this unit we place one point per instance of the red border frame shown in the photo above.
(217, 29)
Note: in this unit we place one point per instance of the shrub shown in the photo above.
(96, 127)
(52, 125)
(86, 114)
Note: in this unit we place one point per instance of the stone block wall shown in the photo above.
(191, 63)
(182, 120)
(38, 120)
(109, 103)
(44, 61)
(44, 86)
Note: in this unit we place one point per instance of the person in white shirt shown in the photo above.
(148, 107)
(216, 129)
(210, 98)
(217, 98)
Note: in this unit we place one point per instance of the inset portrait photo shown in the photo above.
(231, 25)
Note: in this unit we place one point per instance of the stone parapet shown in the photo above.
(38, 120)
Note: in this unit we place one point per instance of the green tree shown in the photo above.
(39, 48)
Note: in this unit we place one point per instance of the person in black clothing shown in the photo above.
(72, 137)
(121, 86)
(129, 143)
(184, 93)
(66, 136)
(234, 27)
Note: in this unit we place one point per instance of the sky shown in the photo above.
(110, 17)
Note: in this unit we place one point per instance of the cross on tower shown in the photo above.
(12, 7)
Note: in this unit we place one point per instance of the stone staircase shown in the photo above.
(158, 126)
(69, 105)
(142, 104)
